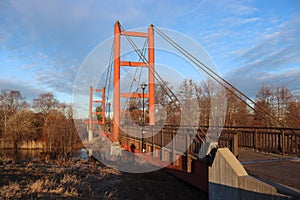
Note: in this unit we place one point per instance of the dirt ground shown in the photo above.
(84, 180)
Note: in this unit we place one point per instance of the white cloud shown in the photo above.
(26, 89)
(59, 34)
(251, 82)
(240, 21)
(229, 7)
(273, 58)
(242, 9)
(280, 67)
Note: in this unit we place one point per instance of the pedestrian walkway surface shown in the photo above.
(283, 171)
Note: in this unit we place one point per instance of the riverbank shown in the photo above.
(79, 179)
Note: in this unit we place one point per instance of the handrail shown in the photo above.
(269, 139)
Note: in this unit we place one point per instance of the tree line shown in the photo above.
(274, 106)
(52, 122)
(46, 120)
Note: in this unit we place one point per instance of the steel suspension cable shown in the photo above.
(108, 78)
(138, 82)
(145, 60)
(139, 78)
(162, 83)
(216, 76)
(109, 63)
(141, 71)
(159, 79)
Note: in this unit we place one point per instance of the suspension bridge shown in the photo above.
(187, 151)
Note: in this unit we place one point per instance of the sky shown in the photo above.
(252, 42)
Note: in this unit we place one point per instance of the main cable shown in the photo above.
(162, 83)
(216, 76)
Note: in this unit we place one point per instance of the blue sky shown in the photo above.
(43, 43)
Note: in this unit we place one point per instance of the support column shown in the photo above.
(118, 64)
(103, 105)
(151, 80)
(116, 116)
(90, 132)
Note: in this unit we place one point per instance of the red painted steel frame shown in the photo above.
(91, 108)
(116, 116)
(102, 102)
(118, 63)
(151, 81)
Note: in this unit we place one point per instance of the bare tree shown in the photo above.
(293, 114)
(237, 113)
(60, 131)
(45, 103)
(54, 131)
(38, 121)
(204, 100)
(281, 101)
(72, 137)
(263, 106)
(272, 105)
(11, 101)
(21, 127)
(133, 113)
(188, 100)
(168, 108)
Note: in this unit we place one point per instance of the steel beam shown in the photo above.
(116, 117)
(151, 80)
(134, 34)
(133, 64)
(133, 95)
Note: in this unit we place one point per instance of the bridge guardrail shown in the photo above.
(268, 139)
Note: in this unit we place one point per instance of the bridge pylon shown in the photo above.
(101, 104)
(118, 64)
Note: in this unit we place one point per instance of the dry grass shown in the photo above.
(65, 179)
(5, 159)
(11, 191)
(67, 186)
(50, 180)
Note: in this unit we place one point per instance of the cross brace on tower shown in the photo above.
(118, 63)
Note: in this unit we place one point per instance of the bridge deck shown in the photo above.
(272, 167)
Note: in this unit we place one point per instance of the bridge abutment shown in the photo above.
(229, 180)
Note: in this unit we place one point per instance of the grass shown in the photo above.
(79, 179)
(68, 186)
(58, 179)
(12, 190)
